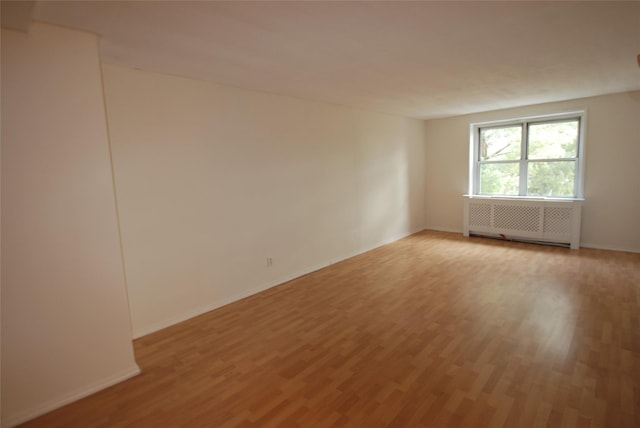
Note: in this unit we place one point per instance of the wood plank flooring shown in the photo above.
(434, 330)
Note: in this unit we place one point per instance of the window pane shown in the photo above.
(556, 140)
(552, 179)
(499, 178)
(500, 143)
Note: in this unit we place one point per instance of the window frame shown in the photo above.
(523, 162)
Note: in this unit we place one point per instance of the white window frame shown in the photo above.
(474, 170)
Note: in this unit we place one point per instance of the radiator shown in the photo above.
(541, 220)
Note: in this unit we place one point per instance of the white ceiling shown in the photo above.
(418, 59)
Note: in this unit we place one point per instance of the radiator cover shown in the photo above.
(544, 220)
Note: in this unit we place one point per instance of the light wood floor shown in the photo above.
(435, 330)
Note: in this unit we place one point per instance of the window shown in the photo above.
(534, 157)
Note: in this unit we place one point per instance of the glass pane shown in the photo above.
(500, 143)
(552, 179)
(556, 140)
(499, 178)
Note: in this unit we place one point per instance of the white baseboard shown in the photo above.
(138, 333)
(255, 290)
(34, 412)
(609, 247)
(582, 244)
(444, 229)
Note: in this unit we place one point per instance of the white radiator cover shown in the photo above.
(544, 220)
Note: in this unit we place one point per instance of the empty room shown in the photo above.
(320, 214)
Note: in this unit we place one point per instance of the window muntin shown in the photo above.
(537, 157)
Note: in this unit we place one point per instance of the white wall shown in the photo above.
(65, 324)
(213, 180)
(612, 202)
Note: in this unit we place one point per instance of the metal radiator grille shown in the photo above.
(480, 215)
(514, 217)
(557, 220)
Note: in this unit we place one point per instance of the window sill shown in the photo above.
(523, 198)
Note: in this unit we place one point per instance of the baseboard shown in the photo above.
(609, 247)
(444, 229)
(255, 290)
(34, 412)
(138, 333)
(582, 244)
